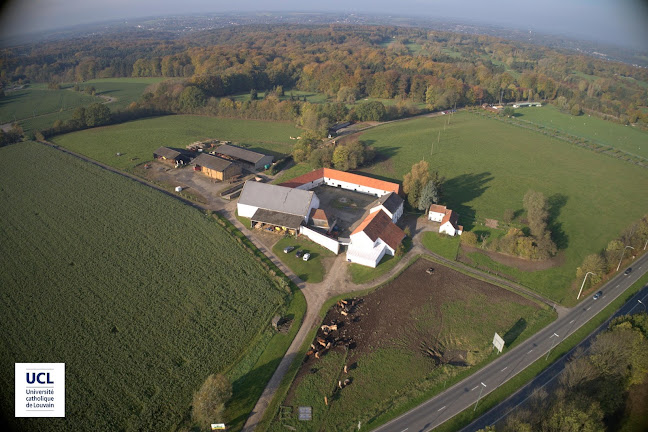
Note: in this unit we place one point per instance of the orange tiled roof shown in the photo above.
(438, 208)
(343, 176)
(378, 225)
(452, 217)
(318, 214)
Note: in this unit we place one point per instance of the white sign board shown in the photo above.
(498, 342)
(218, 426)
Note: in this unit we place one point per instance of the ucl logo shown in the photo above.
(39, 378)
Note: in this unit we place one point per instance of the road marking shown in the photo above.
(572, 321)
(504, 369)
(442, 408)
(404, 429)
(476, 387)
(589, 308)
(530, 351)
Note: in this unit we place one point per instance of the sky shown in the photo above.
(622, 22)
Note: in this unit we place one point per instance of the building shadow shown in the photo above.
(460, 190)
(555, 204)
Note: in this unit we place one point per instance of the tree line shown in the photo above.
(348, 64)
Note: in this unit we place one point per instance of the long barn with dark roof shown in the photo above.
(250, 158)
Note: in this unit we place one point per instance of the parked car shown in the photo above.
(306, 256)
(288, 249)
(628, 271)
(597, 295)
(299, 253)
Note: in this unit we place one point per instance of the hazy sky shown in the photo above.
(619, 21)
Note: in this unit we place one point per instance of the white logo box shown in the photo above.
(40, 389)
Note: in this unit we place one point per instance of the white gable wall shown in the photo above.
(447, 228)
(245, 210)
(435, 216)
(381, 207)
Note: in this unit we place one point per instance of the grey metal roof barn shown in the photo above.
(276, 198)
(212, 162)
(255, 158)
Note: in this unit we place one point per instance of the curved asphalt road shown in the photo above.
(465, 394)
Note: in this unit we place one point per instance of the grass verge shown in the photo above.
(511, 386)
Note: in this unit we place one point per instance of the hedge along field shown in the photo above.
(490, 165)
(138, 139)
(141, 296)
(599, 131)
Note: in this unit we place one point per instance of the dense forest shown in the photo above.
(415, 67)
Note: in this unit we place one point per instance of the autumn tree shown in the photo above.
(592, 263)
(414, 180)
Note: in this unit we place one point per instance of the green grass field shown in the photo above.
(309, 271)
(441, 244)
(31, 102)
(140, 295)
(138, 139)
(124, 90)
(490, 165)
(626, 138)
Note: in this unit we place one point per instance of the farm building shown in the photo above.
(319, 219)
(344, 180)
(392, 204)
(336, 128)
(526, 104)
(165, 154)
(277, 206)
(252, 159)
(448, 219)
(215, 167)
(376, 236)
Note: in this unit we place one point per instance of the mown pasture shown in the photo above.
(626, 138)
(137, 140)
(123, 90)
(38, 100)
(141, 296)
(489, 166)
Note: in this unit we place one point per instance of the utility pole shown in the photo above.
(623, 253)
(552, 344)
(583, 284)
(479, 397)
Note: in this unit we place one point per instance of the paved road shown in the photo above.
(465, 394)
(548, 377)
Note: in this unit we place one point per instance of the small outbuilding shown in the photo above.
(215, 167)
(165, 154)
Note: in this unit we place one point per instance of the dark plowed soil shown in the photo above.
(386, 316)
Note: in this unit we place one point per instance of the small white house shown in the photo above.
(437, 212)
(449, 224)
(447, 218)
